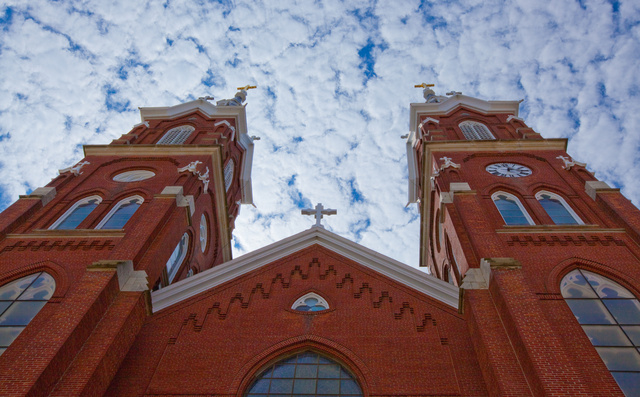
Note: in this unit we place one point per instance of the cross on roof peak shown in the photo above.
(318, 212)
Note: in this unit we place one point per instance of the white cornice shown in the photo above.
(450, 104)
(208, 109)
(406, 275)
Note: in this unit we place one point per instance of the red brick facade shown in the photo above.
(502, 328)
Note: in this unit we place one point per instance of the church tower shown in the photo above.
(545, 255)
(155, 206)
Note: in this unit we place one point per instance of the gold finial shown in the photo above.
(423, 85)
(246, 87)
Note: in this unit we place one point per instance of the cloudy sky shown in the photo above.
(335, 79)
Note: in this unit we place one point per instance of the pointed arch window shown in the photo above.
(20, 301)
(511, 209)
(121, 213)
(305, 374)
(610, 316)
(310, 302)
(558, 209)
(176, 136)
(228, 174)
(177, 257)
(472, 130)
(76, 214)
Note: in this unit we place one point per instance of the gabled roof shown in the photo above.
(210, 110)
(404, 274)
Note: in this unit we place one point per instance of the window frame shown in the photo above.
(523, 210)
(301, 302)
(116, 207)
(609, 343)
(70, 211)
(229, 173)
(173, 272)
(182, 133)
(564, 203)
(477, 136)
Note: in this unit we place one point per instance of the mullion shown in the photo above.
(18, 297)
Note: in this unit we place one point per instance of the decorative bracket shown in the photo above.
(568, 163)
(193, 168)
(448, 163)
(75, 170)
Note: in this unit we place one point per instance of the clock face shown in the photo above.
(509, 170)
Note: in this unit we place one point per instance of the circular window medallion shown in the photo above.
(134, 176)
(203, 232)
(508, 170)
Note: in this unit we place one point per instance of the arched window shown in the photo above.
(558, 209)
(204, 231)
(76, 214)
(228, 174)
(305, 374)
(177, 257)
(310, 302)
(176, 136)
(473, 130)
(610, 316)
(20, 301)
(121, 213)
(511, 209)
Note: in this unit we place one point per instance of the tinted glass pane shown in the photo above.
(307, 371)
(606, 288)
(328, 371)
(590, 311)
(349, 387)
(307, 358)
(122, 215)
(626, 311)
(8, 334)
(620, 358)
(556, 211)
(3, 306)
(606, 335)
(328, 386)
(20, 313)
(41, 289)
(574, 285)
(281, 386)
(318, 308)
(12, 290)
(510, 211)
(261, 386)
(304, 386)
(633, 332)
(629, 382)
(78, 215)
(283, 371)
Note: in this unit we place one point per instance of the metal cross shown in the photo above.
(318, 212)
(246, 87)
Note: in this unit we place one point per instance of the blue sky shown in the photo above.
(335, 80)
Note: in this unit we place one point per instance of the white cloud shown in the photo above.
(70, 67)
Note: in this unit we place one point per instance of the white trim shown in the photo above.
(397, 271)
(300, 301)
(133, 176)
(495, 195)
(233, 130)
(116, 207)
(564, 204)
(512, 117)
(73, 207)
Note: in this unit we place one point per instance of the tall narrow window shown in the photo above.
(176, 136)
(177, 257)
(511, 210)
(558, 209)
(305, 374)
(121, 213)
(610, 316)
(228, 174)
(20, 301)
(473, 130)
(77, 213)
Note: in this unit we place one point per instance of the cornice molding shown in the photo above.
(397, 271)
(497, 145)
(537, 229)
(150, 150)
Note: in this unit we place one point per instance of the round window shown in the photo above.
(134, 176)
